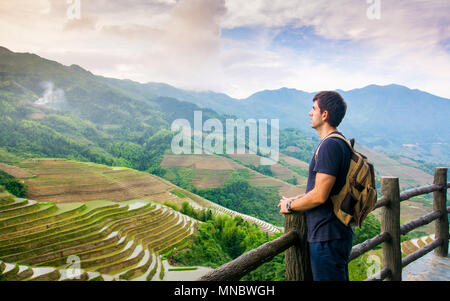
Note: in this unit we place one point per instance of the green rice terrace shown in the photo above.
(66, 230)
(111, 241)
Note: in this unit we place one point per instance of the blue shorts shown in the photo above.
(329, 259)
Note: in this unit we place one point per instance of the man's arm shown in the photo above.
(317, 196)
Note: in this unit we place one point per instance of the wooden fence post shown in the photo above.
(298, 266)
(439, 203)
(390, 223)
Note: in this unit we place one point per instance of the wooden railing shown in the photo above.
(295, 246)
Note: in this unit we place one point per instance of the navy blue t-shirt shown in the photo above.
(333, 159)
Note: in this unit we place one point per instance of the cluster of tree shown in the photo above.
(296, 144)
(12, 185)
(221, 238)
(203, 215)
(237, 194)
(64, 135)
(293, 180)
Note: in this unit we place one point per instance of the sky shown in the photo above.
(240, 47)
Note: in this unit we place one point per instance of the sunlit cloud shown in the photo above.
(241, 47)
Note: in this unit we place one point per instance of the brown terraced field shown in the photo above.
(211, 171)
(280, 171)
(409, 176)
(117, 239)
(209, 162)
(63, 181)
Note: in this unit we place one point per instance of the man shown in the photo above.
(330, 241)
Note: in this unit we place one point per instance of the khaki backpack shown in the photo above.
(359, 194)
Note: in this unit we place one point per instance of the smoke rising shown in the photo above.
(52, 97)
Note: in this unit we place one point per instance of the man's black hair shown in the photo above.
(333, 103)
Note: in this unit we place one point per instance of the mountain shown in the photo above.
(51, 110)
(392, 118)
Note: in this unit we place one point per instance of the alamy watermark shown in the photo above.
(373, 263)
(73, 271)
(74, 9)
(209, 137)
(374, 10)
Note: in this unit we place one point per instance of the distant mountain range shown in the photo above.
(393, 118)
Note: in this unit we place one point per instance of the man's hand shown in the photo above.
(283, 203)
(317, 196)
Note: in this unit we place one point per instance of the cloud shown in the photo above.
(267, 44)
(403, 46)
(184, 49)
(88, 23)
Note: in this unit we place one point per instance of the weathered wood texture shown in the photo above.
(407, 194)
(383, 201)
(297, 253)
(367, 245)
(390, 223)
(440, 203)
(244, 264)
(420, 221)
(298, 266)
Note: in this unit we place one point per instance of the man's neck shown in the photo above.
(325, 130)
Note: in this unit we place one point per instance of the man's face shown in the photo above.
(315, 116)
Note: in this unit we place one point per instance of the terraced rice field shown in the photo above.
(278, 170)
(410, 210)
(211, 171)
(211, 162)
(409, 176)
(64, 181)
(97, 240)
(413, 245)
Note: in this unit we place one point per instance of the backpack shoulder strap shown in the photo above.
(331, 136)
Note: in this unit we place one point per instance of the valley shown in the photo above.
(97, 161)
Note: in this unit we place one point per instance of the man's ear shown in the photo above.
(325, 115)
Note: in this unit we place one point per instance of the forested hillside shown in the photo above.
(51, 110)
(48, 110)
(392, 119)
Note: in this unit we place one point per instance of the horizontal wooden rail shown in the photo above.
(390, 237)
(244, 264)
(383, 201)
(368, 245)
(420, 221)
(384, 273)
(407, 194)
(421, 252)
